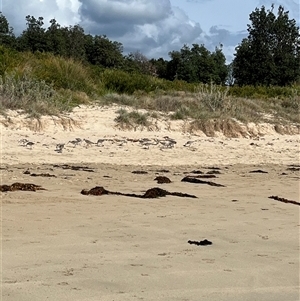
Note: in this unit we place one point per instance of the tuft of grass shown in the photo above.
(131, 119)
(32, 96)
(212, 96)
(182, 113)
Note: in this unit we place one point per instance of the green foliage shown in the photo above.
(123, 82)
(131, 83)
(137, 62)
(9, 59)
(33, 38)
(57, 38)
(271, 53)
(197, 64)
(75, 37)
(101, 51)
(262, 92)
(191, 65)
(65, 74)
(160, 66)
(7, 37)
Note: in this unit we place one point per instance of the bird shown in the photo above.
(188, 143)
(88, 142)
(30, 144)
(75, 142)
(59, 147)
(23, 142)
(100, 141)
(147, 142)
(168, 142)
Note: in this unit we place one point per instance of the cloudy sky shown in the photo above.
(153, 27)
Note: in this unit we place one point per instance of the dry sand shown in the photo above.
(58, 244)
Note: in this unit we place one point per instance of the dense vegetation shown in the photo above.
(50, 70)
(270, 55)
(191, 65)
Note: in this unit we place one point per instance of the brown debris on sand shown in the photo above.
(98, 190)
(163, 170)
(27, 172)
(293, 168)
(204, 242)
(72, 167)
(207, 176)
(20, 186)
(162, 180)
(140, 172)
(149, 194)
(197, 181)
(198, 172)
(154, 193)
(258, 171)
(42, 175)
(283, 200)
(213, 172)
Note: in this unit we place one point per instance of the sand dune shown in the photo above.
(126, 147)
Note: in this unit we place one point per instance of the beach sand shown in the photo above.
(58, 244)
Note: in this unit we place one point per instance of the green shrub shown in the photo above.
(65, 74)
(123, 82)
(264, 92)
(9, 59)
(30, 95)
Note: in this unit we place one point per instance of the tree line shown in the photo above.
(270, 55)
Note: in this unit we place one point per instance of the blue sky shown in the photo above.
(153, 27)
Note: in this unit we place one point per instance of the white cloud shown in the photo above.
(64, 11)
(132, 11)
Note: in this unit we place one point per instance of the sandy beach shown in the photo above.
(58, 244)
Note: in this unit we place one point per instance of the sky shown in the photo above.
(152, 27)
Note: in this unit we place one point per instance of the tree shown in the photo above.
(57, 39)
(220, 70)
(103, 52)
(75, 39)
(172, 65)
(7, 37)
(138, 62)
(197, 64)
(160, 66)
(270, 55)
(33, 38)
